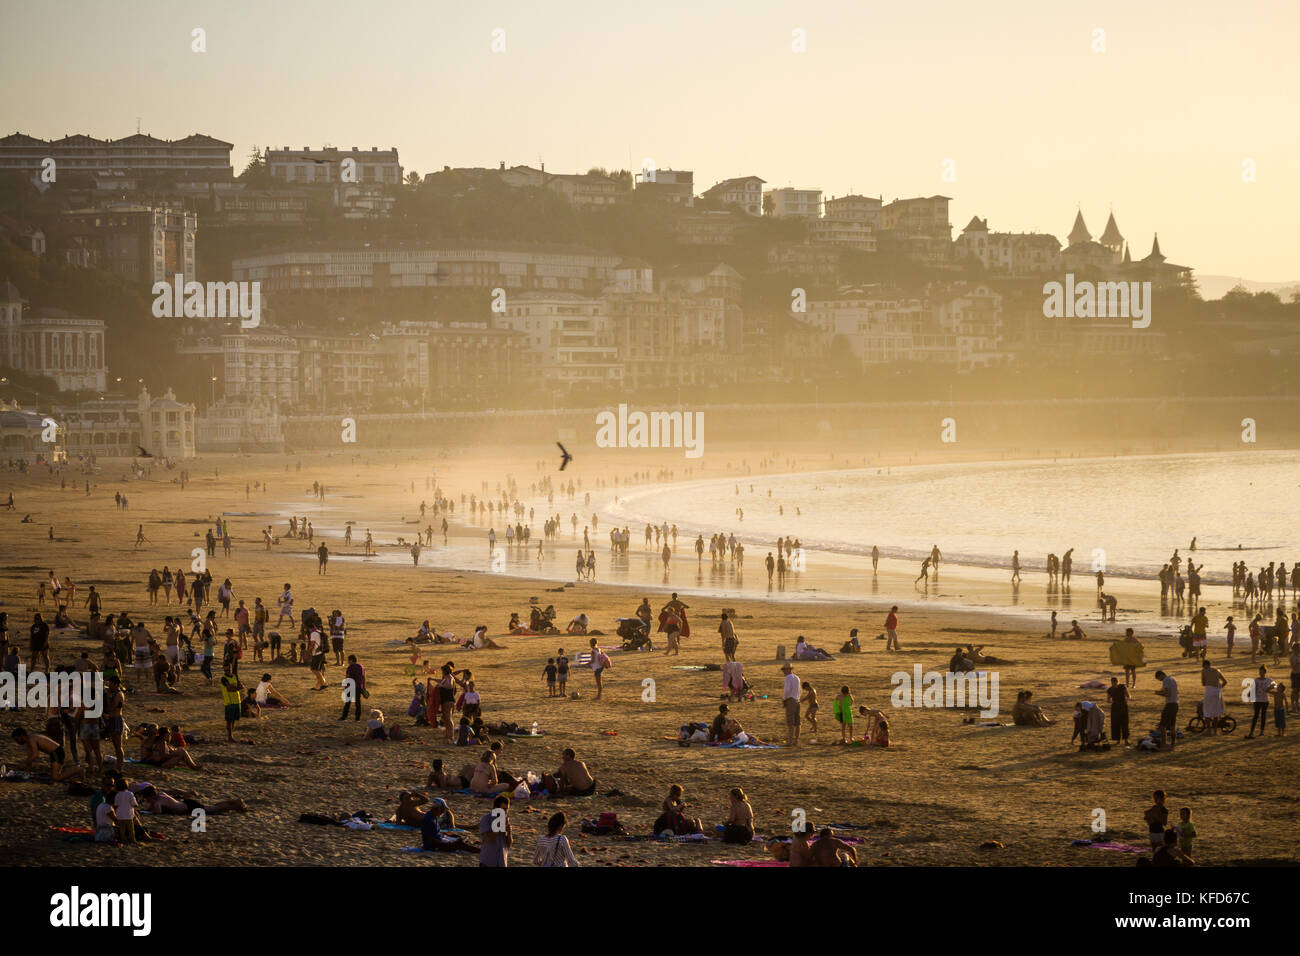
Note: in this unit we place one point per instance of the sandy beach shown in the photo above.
(940, 792)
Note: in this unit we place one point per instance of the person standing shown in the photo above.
(1261, 687)
(1169, 713)
(322, 556)
(1119, 698)
(790, 693)
(1213, 681)
(891, 629)
(494, 828)
(232, 700)
(354, 682)
(729, 641)
(599, 663)
(40, 641)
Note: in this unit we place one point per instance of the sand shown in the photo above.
(944, 788)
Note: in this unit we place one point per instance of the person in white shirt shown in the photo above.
(1260, 688)
(553, 849)
(285, 600)
(268, 696)
(105, 828)
(124, 804)
(790, 700)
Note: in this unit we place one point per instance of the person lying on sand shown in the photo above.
(571, 779)
(830, 850)
(159, 801)
(959, 663)
(440, 778)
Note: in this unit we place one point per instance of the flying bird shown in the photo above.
(566, 456)
(143, 453)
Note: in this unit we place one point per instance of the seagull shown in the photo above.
(566, 456)
(143, 453)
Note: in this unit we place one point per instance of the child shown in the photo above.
(810, 697)
(843, 710)
(1278, 691)
(562, 669)
(550, 672)
(881, 737)
(1186, 830)
(1232, 632)
(464, 736)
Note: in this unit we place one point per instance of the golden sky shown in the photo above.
(1156, 127)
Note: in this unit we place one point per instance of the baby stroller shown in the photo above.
(635, 634)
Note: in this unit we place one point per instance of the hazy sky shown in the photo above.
(1157, 126)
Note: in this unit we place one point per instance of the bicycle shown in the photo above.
(1199, 724)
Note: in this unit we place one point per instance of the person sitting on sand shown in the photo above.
(1025, 713)
(376, 729)
(724, 726)
(156, 751)
(803, 651)
(480, 641)
(673, 819)
(1075, 632)
(571, 779)
(516, 626)
(432, 824)
(268, 696)
(830, 850)
(484, 780)
(38, 744)
(408, 808)
(158, 801)
(800, 852)
(579, 624)
(959, 663)
(739, 825)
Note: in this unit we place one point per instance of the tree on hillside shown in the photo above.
(256, 173)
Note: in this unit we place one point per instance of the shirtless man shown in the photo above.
(113, 703)
(572, 779)
(38, 744)
(830, 850)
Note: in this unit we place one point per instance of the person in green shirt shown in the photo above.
(1186, 830)
(232, 698)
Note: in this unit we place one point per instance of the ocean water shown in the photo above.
(1130, 512)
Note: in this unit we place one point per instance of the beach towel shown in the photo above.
(736, 746)
(749, 863)
(1126, 654)
(1106, 845)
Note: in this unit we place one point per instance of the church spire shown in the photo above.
(1155, 249)
(1111, 237)
(1080, 232)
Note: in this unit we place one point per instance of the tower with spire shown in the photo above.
(1113, 240)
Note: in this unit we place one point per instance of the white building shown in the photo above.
(789, 203)
(325, 166)
(746, 192)
(51, 342)
(856, 234)
(244, 425)
(166, 425)
(570, 336)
